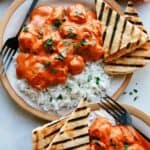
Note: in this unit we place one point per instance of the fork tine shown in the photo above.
(112, 109)
(6, 56)
(112, 113)
(116, 108)
(120, 114)
(10, 59)
(116, 104)
(116, 112)
(4, 50)
(108, 110)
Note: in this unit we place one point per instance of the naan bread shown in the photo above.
(42, 136)
(138, 58)
(74, 134)
(120, 36)
(131, 14)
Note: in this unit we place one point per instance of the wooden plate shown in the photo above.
(139, 119)
(19, 100)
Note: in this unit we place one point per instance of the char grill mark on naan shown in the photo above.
(136, 59)
(136, 20)
(74, 134)
(42, 136)
(120, 37)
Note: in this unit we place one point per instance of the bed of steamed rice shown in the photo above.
(91, 83)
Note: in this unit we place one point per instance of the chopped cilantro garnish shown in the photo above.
(41, 31)
(83, 42)
(50, 99)
(68, 88)
(54, 70)
(89, 78)
(135, 90)
(49, 43)
(77, 46)
(64, 19)
(57, 24)
(60, 58)
(54, 27)
(105, 97)
(60, 97)
(70, 30)
(135, 98)
(113, 144)
(72, 35)
(130, 93)
(67, 43)
(125, 146)
(97, 80)
(78, 13)
(40, 37)
(25, 28)
(47, 64)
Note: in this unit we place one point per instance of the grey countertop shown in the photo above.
(4, 4)
(16, 124)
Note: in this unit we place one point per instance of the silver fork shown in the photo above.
(10, 47)
(120, 114)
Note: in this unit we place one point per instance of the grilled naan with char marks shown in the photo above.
(131, 14)
(74, 134)
(138, 58)
(42, 136)
(120, 36)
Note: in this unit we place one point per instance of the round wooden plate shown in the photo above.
(10, 90)
(139, 119)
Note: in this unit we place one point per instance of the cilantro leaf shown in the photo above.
(25, 28)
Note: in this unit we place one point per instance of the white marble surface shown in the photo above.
(16, 124)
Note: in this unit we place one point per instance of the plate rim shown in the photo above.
(12, 93)
(138, 113)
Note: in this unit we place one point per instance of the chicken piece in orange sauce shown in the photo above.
(105, 136)
(41, 71)
(65, 37)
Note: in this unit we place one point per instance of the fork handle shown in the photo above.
(144, 136)
(27, 15)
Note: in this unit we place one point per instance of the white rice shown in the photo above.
(61, 99)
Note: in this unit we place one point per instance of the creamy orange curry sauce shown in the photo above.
(57, 42)
(105, 136)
